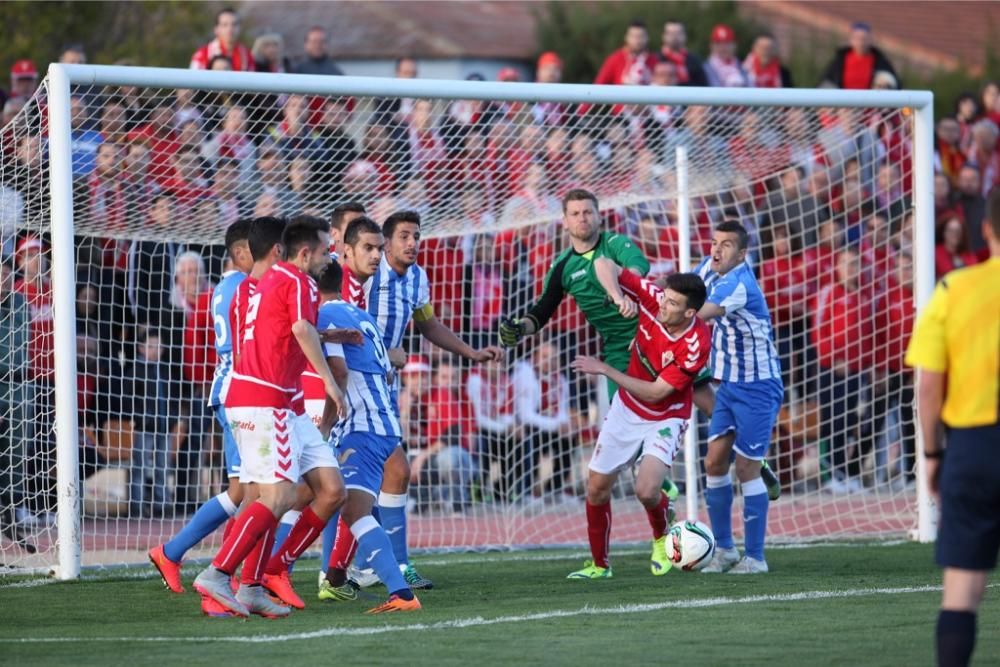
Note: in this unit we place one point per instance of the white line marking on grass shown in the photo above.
(479, 621)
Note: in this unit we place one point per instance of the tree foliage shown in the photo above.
(148, 33)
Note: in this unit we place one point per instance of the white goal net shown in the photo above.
(825, 193)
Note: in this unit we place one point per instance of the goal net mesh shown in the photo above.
(159, 174)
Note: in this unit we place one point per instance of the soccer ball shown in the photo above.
(690, 545)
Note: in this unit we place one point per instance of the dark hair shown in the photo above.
(330, 280)
(225, 10)
(359, 226)
(733, 227)
(320, 223)
(691, 286)
(390, 224)
(265, 233)
(637, 23)
(303, 232)
(993, 212)
(579, 194)
(340, 211)
(236, 232)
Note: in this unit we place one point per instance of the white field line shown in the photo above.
(479, 621)
(145, 571)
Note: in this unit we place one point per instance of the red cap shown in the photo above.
(508, 74)
(417, 363)
(29, 243)
(23, 69)
(549, 58)
(723, 33)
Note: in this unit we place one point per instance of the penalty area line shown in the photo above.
(480, 621)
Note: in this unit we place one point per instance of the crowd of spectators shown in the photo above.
(825, 195)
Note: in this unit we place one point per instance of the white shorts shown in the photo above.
(314, 408)
(625, 436)
(277, 445)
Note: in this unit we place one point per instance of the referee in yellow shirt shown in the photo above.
(956, 347)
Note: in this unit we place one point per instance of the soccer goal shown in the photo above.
(117, 185)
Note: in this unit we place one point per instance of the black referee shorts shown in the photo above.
(969, 532)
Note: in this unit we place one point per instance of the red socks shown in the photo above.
(246, 534)
(658, 517)
(599, 532)
(344, 547)
(303, 533)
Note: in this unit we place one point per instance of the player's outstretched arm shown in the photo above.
(710, 311)
(437, 333)
(607, 273)
(338, 368)
(344, 336)
(308, 339)
(644, 390)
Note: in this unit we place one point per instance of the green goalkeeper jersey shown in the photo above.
(573, 273)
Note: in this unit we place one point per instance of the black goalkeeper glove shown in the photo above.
(511, 331)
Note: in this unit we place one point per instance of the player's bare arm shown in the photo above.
(338, 368)
(397, 357)
(930, 399)
(607, 273)
(308, 338)
(711, 311)
(342, 336)
(644, 390)
(437, 333)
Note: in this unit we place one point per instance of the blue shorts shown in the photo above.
(362, 458)
(969, 479)
(229, 448)
(750, 409)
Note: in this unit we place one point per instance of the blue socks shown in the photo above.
(719, 498)
(392, 513)
(755, 504)
(375, 551)
(329, 536)
(209, 516)
(288, 520)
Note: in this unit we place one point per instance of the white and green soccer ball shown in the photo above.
(690, 545)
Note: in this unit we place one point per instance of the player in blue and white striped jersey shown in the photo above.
(217, 510)
(745, 361)
(397, 293)
(367, 436)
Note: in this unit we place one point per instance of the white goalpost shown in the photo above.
(113, 177)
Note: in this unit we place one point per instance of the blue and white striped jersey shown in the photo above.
(742, 341)
(222, 299)
(392, 299)
(369, 403)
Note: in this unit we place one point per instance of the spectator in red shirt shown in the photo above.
(448, 427)
(226, 43)
(966, 113)
(854, 66)
(485, 289)
(36, 287)
(763, 68)
(633, 63)
(782, 276)
(690, 70)
(821, 259)
(549, 70)
(192, 294)
(893, 383)
(952, 249)
(843, 335)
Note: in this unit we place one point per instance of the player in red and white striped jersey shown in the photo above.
(277, 442)
(650, 414)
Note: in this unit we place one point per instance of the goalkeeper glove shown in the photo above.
(511, 331)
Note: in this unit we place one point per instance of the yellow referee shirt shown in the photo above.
(959, 334)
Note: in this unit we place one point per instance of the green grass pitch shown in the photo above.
(820, 605)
